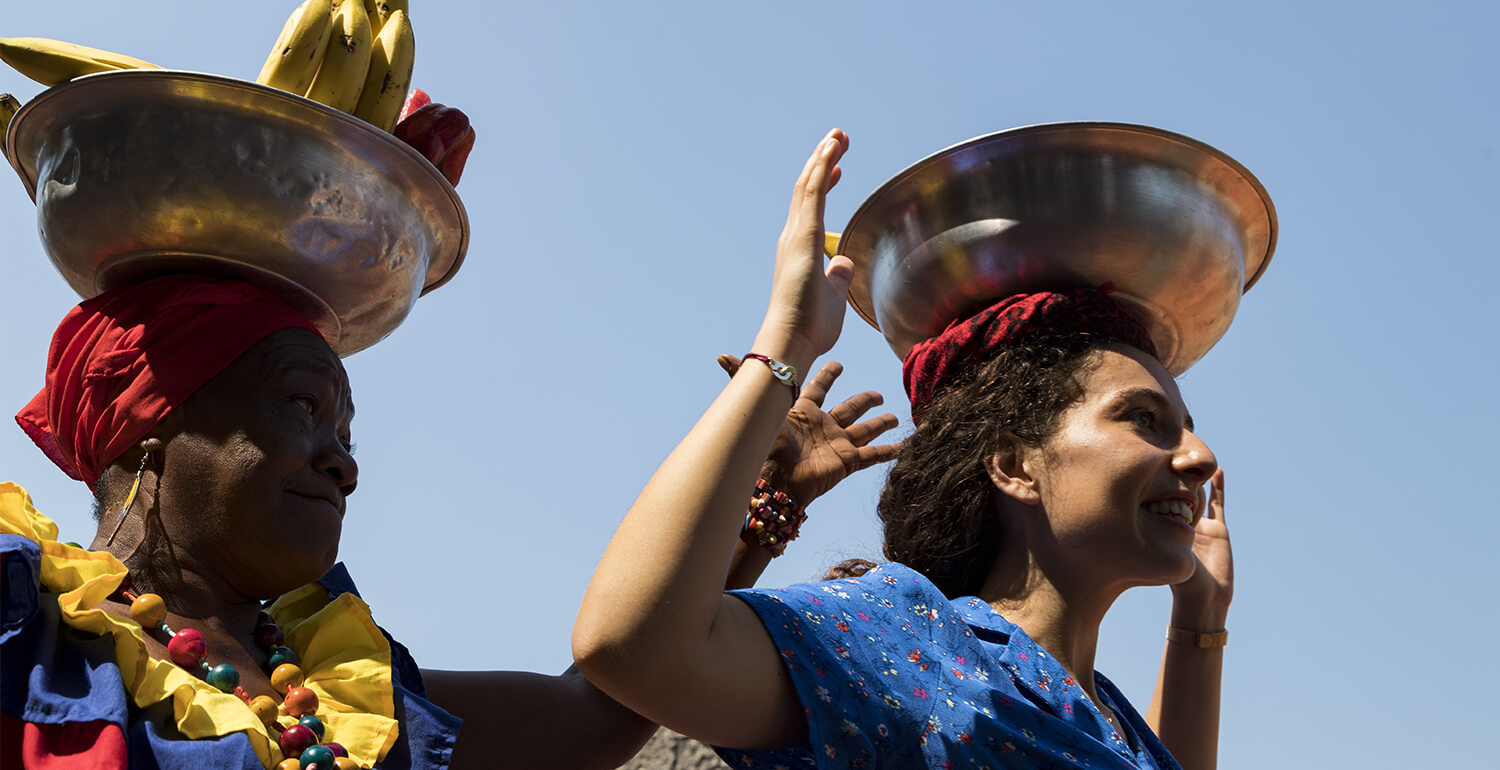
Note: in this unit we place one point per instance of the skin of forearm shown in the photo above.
(522, 719)
(746, 566)
(658, 587)
(1184, 710)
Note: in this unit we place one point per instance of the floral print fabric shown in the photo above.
(893, 674)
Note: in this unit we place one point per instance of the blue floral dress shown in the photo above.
(893, 674)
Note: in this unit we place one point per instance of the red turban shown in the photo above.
(121, 361)
(968, 341)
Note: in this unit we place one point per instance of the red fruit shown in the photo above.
(415, 101)
(453, 164)
(442, 134)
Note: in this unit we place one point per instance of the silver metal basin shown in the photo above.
(1178, 227)
(140, 172)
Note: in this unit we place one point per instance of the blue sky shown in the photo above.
(630, 178)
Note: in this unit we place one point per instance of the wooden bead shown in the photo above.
(300, 701)
(285, 677)
(338, 749)
(295, 740)
(223, 676)
(265, 709)
(187, 648)
(317, 757)
(269, 637)
(279, 656)
(289, 764)
(312, 723)
(345, 763)
(148, 610)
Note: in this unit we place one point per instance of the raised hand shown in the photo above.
(1203, 599)
(817, 449)
(807, 298)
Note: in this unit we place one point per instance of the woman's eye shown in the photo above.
(1143, 418)
(306, 403)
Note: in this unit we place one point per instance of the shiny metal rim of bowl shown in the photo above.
(1081, 179)
(266, 155)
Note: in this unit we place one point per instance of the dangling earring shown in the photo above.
(150, 445)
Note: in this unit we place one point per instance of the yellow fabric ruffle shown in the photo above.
(343, 655)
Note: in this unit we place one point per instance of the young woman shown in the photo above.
(1053, 466)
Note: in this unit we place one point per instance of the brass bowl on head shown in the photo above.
(137, 173)
(1179, 228)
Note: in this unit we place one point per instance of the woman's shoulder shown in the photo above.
(889, 581)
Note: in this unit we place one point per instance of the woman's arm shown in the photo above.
(655, 630)
(520, 719)
(563, 721)
(1184, 710)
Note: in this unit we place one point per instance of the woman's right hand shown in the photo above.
(806, 311)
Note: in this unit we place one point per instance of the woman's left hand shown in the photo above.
(1203, 599)
(816, 449)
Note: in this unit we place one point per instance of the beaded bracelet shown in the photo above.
(772, 519)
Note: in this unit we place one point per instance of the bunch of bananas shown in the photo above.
(352, 55)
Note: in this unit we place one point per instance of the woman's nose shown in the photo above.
(1193, 458)
(336, 461)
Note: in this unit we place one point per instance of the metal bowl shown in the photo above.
(1178, 227)
(140, 172)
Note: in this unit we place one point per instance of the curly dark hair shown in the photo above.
(936, 507)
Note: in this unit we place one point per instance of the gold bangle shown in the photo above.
(1210, 641)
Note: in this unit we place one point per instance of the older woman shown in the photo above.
(1053, 466)
(214, 426)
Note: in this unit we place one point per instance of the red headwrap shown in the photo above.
(965, 342)
(121, 361)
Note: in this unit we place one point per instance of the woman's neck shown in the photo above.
(1057, 611)
(190, 591)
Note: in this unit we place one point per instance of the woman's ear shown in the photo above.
(1010, 470)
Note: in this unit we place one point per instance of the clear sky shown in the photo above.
(631, 175)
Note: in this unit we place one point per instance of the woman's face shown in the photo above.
(1121, 481)
(257, 466)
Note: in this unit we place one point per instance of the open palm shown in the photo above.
(817, 449)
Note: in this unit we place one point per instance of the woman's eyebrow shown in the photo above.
(1156, 398)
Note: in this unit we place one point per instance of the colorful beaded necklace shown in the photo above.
(187, 648)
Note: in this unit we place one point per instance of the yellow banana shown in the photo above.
(50, 62)
(384, 9)
(346, 60)
(391, 58)
(9, 105)
(294, 59)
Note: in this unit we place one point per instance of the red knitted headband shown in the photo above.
(968, 341)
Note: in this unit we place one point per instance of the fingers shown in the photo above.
(869, 430)
(854, 407)
(730, 364)
(819, 175)
(874, 455)
(1216, 496)
(816, 389)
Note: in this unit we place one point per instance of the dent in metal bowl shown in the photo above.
(1179, 228)
(141, 172)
